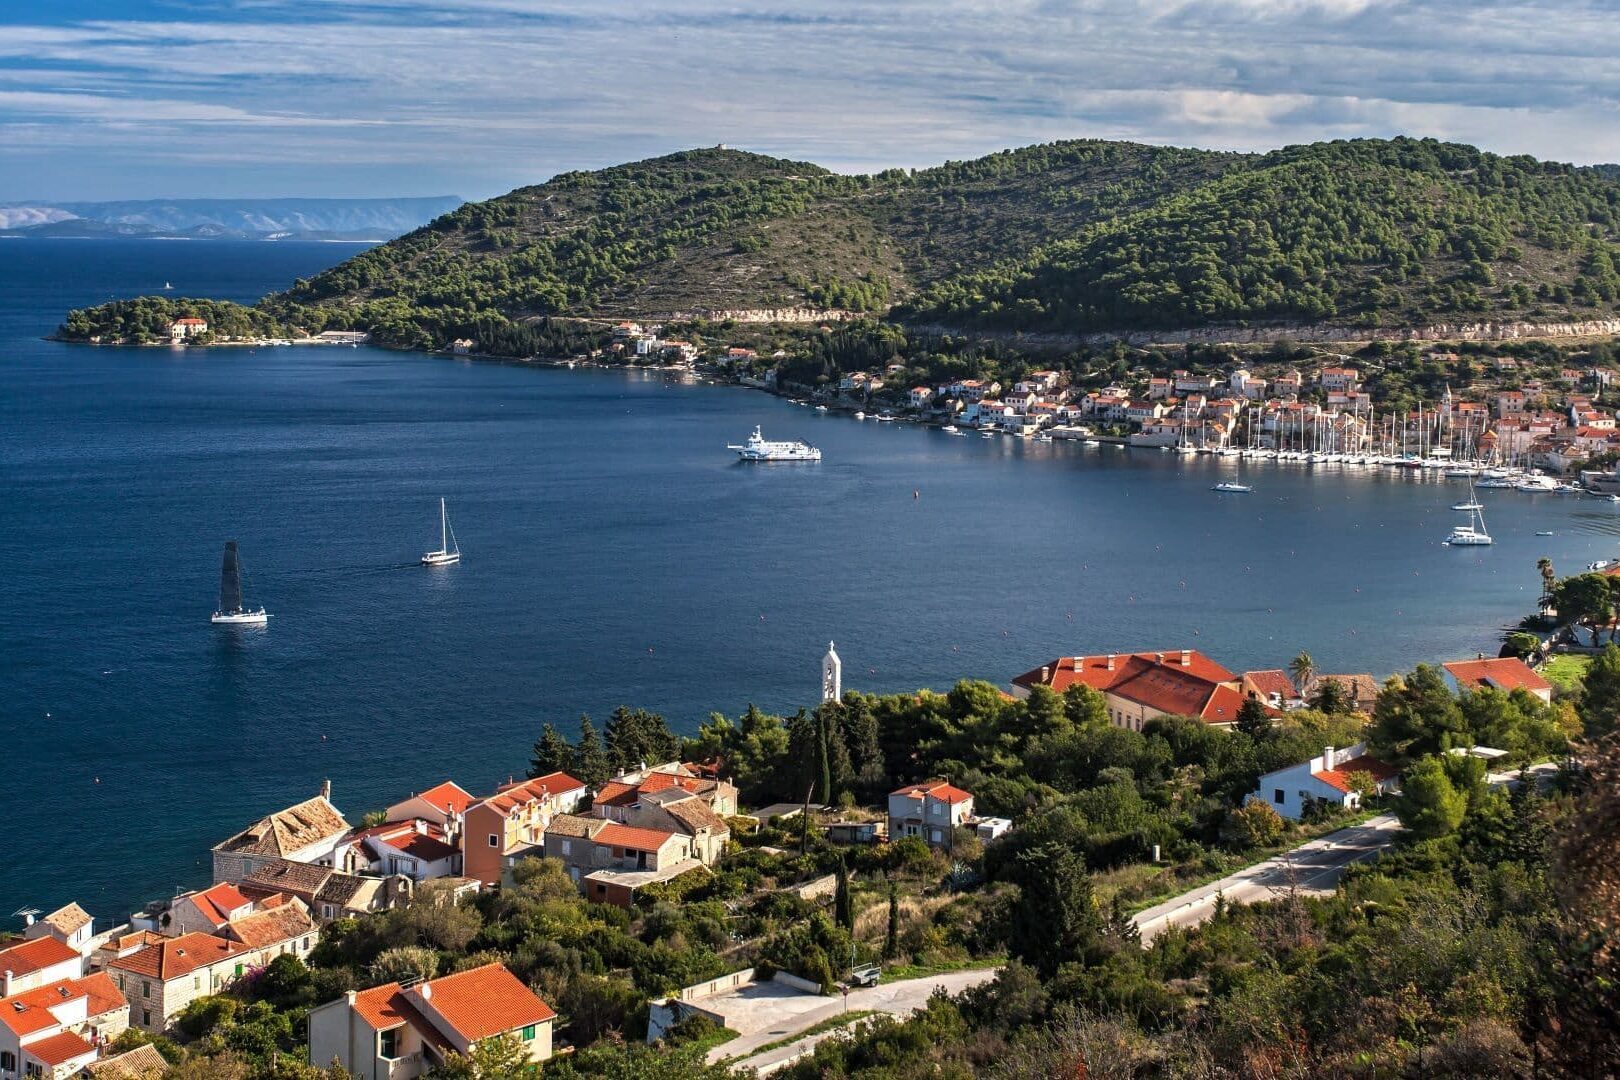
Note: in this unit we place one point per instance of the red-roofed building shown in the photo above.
(1145, 685)
(27, 964)
(161, 979)
(205, 911)
(1507, 673)
(929, 810)
(418, 849)
(597, 850)
(512, 823)
(396, 1033)
(443, 805)
(57, 1029)
(1274, 688)
(181, 329)
(1330, 777)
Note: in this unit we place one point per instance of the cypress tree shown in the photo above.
(891, 940)
(589, 760)
(843, 906)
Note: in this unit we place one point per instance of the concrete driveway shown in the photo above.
(766, 1012)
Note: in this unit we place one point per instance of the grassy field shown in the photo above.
(1566, 670)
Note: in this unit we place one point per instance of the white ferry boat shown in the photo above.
(758, 449)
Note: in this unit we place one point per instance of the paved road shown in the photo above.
(1313, 868)
(898, 999)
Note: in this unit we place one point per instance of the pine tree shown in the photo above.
(590, 763)
(551, 753)
(891, 940)
(1252, 719)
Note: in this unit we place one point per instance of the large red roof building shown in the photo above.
(1144, 685)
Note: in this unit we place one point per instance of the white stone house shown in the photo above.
(54, 1031)
(929, 810)
(1328, 778)
(392, 1032)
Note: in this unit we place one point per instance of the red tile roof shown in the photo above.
(1504, 673)
(379, 1006)
(59, 1049)
(179, 956)
(27, 957)
(939, 789)
(1339, 775)
(628, 836)
(1272, 682)
(219, 902)
(484, 1001)
(1158, 681)
(448, 795)
(29, 1011)
(540, 788)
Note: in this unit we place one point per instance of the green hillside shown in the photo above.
(1073, 237)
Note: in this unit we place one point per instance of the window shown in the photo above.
(494, 841)
(389, 1043)
(567, 847)
(1277, 796)
(146, 988)
(238, 971)
(8, 1061)
(34, 1069)
(528, 1033)
(196, 982)
(146, 1017)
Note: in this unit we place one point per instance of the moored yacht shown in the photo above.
(758, 449)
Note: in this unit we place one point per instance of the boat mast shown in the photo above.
(444, 527)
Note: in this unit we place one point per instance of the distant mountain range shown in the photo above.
(227, 219)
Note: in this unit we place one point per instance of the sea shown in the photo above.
(614, 553)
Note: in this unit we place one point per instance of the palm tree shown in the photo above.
(1548, 580)
(1302, 668)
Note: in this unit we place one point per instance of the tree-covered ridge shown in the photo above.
(1367, 232)
(1072, 237)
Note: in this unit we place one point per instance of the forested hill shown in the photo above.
(1074, 237)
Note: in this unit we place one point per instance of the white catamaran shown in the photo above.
(758, 449)
(1472, 534)
(449, 551)
(231, 610)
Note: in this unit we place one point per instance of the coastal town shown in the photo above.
(290, 889)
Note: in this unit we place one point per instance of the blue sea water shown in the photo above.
(615, 553)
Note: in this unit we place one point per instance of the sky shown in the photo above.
(181, 98)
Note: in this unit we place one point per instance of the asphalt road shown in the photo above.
(1313, 868)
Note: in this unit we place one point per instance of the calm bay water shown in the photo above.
(614, 554)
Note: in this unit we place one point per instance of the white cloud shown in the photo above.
(507, 91)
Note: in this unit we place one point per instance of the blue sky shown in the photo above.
(150, 98)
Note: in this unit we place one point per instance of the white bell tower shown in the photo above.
(832, 675)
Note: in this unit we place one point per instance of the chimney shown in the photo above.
(1046, 673)
(1186, 657)
(349, 996)
(5, 984)
(1327, 759)
(1110, 661)
(1160, 657)
(326, 790)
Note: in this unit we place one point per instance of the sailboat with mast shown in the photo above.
(449, 551)
(1472, 534)
(232, 611)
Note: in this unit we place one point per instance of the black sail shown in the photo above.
(230, 580)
